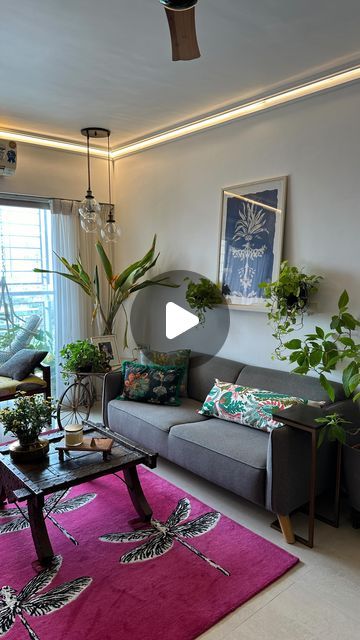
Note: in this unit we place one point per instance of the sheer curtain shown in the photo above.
(73, 308)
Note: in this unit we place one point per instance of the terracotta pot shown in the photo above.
(29, 451)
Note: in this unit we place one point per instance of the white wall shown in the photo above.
(174, 190)
(58, 174)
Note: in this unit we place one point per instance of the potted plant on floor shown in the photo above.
(26, 419)
(83, 357)
(119, 286)
(288, 300)
(321, 352)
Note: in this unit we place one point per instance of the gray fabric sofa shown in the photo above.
(271, 470)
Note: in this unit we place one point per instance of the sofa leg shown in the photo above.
(286, 528)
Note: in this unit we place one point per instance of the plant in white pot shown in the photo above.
(26, 419)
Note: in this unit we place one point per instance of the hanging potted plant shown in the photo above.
(26, 419)
(202, 296)
(288, 300)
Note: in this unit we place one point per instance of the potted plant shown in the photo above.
(26, 419)
(288, 300)
(83, 357)
(321, 352)
(119, 286)
(203, 295)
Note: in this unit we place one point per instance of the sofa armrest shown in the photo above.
(111, 389)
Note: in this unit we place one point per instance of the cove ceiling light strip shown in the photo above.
(295, 93)
(239, 112)
(49, 142)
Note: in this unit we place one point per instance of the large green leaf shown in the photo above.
(349, 371)
(75, 279)
(293, 344)
(327, 386)
(123, 277)
(105, 261)
(155, 281)
(343, 300)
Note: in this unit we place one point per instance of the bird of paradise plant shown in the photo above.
(120, 286)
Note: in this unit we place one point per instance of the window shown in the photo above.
(25, 243)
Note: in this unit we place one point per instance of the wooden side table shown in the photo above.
(302, 417)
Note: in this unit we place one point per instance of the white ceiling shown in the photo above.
(74, 63)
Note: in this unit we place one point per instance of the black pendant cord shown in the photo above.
(88, 159)
(109, 179)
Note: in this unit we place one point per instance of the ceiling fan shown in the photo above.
(181, 19)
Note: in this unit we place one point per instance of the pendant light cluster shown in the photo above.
(89, 208)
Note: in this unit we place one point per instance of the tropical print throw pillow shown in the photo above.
(247, 406)
(179, 358)
(151, 383)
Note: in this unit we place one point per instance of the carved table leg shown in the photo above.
(136, 494)
(38, 530)
(2, 496)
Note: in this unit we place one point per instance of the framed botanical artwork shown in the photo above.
(252, 225)
(108, 345)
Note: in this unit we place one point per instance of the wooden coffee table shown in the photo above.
(32, 482)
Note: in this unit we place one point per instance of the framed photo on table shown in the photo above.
(251, 237)
(108, 345)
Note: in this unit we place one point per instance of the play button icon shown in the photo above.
(162, 319)
(178, 320)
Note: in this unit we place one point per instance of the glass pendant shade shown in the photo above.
(90, 226)
(89, 208)
(111, 231)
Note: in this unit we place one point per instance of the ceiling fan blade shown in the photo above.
(183, 34)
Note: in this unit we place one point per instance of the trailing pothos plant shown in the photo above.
(203, 295)
(321, 352)
(287, 300)
(119, 285)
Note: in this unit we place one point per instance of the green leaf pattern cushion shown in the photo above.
(247, 406)
(151, 383)
(179, 358)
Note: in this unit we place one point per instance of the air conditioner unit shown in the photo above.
(8, 155)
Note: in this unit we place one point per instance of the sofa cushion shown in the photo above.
(8, 386)
(230, 455)
(245, 405)
(20, 365)
(203, 370)
(154, 384)
(179, 358)
(293, 384)
(150, 424)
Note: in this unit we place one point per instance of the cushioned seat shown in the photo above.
(8, 386)
(228, 454)
(150, 423)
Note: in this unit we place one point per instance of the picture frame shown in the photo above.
(109, 345)
(251, 239)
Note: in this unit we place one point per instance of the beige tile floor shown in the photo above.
(318, 599)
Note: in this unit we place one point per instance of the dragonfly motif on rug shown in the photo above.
(54, 504)
(162, 535)
(14, 604)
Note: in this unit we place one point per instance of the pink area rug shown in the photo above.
(156, 582)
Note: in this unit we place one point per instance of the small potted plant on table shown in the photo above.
(26, 419)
